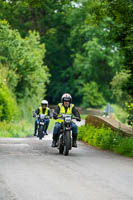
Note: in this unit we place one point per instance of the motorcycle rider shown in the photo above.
(65, 107)
(42, 110)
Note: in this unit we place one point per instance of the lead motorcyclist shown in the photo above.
(65, 107)
(42, 110)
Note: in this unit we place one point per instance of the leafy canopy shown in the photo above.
(24, 58)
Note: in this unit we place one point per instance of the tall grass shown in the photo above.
(20, 128)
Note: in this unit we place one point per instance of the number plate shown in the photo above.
(42, 123)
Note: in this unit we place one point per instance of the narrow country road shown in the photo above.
(31, 170)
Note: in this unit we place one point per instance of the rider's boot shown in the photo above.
(35, 129)
(34, 134)
(74, 140)
(46, 133)
(54, 142)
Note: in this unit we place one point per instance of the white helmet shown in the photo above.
(44, 102)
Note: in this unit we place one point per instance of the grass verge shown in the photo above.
(16, 129)
(21, 128)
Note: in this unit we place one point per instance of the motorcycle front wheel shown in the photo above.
(67, 143)
(40, 132)
(61, 147)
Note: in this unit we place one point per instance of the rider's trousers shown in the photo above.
(57, 126)
(36, 124)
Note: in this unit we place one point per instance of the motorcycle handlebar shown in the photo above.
(62, 117)
(46, 117)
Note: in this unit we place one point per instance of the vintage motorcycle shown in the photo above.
(64, 142)
(41, 125)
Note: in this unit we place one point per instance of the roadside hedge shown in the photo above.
(107, 139)
(8, 105)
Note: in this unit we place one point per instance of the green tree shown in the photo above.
(91, 96)
(63, 27)
(95, 58)
(120, 28)
(118, 82)
(49, 18)
(97, 63)
(24, 58)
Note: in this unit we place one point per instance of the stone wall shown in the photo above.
(115, 125)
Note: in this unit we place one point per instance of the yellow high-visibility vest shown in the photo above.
(62, 111)
(46, 111)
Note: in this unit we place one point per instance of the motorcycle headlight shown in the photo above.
(42, 116)
(67, 119)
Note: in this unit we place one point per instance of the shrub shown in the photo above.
(8, 106)
(105, 138)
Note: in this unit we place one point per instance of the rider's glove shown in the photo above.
(34, 114)
(78, 119)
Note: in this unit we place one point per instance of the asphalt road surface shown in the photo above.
(31, 170)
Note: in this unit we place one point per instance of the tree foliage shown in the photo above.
(8, 105)
(121, 29)
(24, 58)
(118, 82)
(91, 96)
(86, 41)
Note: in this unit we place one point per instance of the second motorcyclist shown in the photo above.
(44, 109)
